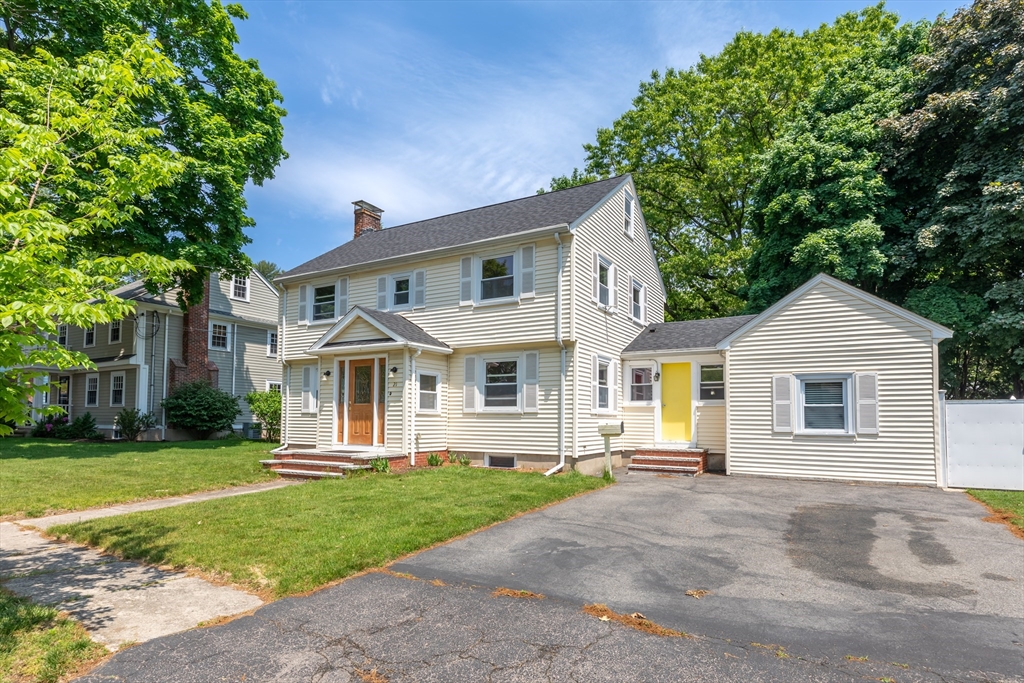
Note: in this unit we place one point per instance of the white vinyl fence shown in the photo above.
(983, 444)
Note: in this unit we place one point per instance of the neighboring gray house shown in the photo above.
(229, 339)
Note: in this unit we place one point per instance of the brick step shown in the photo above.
(303, 474)
(670, 452)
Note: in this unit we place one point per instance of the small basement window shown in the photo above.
(507, 462)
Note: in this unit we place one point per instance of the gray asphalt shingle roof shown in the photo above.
(686, 334)
(403, 327)
(474, 225)
(136, 291)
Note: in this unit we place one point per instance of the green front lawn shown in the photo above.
(38, 644)
(1007, 504)
(38, 476)
(294, 539)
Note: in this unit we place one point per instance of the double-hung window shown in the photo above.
(219, 336)
(641, 384)
(323, 303)
(115, 331)
(497, 277)
(604, 277)
(400, 291)
(240, 288)
(712, 383)
(62, 335)
(117, 389)
(428, 393)
(90, 336)
(636, 303)
(628, 213)
(824, 404)
(603, 384)
(92, 390)
(273, 386)
(501, 384)
(271, 344)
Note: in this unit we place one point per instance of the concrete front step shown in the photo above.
(312, 464)
(337, 456)
(305, 474)
(663, 469)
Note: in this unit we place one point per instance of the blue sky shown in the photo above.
(429, 108)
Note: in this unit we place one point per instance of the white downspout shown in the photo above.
(287, 370)
(234, 356)
(561, 345)
(412, 405)
(405, 401)
(163, 390)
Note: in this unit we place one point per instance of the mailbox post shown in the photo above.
(608, 430)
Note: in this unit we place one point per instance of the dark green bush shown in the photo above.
(201, 409)
(132, 422)
(48, 426)
(57, 426)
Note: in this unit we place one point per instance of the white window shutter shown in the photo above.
(593, 382)
(466, 280)
(613, 385)
(528, 276)
(597, 277)
(382, 293)
(303, 304)
(782, 403)
(866, 385)
(307, 388)
(531, 380)
(419, 288)
(341, 298)
(469, 385)
(643, 304)
(613, 286)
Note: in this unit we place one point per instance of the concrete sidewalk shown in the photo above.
(156, 504)
(118, 602)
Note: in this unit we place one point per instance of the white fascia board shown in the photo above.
(356, 348)
(265, 281)
(938, 331)
(346, 321)
(419, 255)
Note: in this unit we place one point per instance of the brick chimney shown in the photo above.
(195, 363)
(367, 218)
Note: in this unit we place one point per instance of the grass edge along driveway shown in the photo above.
(1007, 507)
(295, 539)
(41, 476)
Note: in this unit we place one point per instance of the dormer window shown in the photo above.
(497, 278)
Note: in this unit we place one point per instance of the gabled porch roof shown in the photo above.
(396, 332)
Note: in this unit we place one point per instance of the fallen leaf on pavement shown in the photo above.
(698, 593)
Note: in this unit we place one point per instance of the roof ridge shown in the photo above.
(488, 206)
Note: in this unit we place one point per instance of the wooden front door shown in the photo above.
(360, 402)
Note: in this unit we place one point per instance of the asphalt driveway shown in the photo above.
(827, 570)
(807, 581)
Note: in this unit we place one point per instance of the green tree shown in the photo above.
(75, 160)
(692, 142)
(267, 269)
(957, 167)
(201, 409)
(822, 203)
(220, 113)
(266, 406)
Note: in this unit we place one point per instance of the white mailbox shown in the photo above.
(611, 428)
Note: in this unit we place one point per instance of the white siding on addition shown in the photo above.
(828, 330)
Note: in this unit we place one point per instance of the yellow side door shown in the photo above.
(675, 402)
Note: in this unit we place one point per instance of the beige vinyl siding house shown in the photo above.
(506, 294)
(515, 333)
